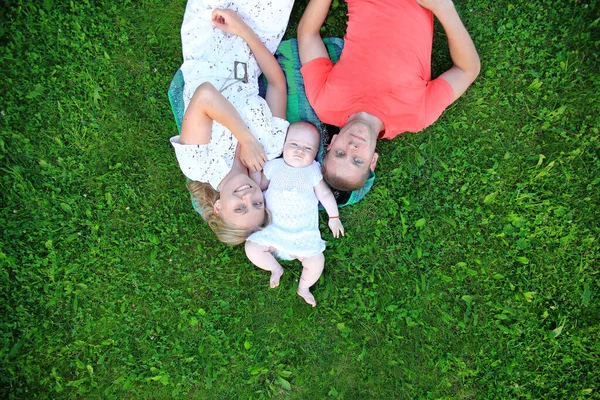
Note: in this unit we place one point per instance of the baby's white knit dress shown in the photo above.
(291, 199)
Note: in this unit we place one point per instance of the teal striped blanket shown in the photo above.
(298, 108)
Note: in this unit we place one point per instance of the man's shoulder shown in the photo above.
(317, 66)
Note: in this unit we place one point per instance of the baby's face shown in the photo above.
(301, 145)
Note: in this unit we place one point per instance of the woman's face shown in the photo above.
(241, 202)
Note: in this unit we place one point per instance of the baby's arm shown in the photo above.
(327, 198)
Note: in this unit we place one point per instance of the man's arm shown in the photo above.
(462, 50)
(310, 44)
(208, 105)
(276, 96)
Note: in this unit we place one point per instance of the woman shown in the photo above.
(228, 130)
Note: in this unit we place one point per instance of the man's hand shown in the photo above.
(229, 21)
(252, 154)
(336, 227)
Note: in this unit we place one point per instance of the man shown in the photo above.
(381, 86)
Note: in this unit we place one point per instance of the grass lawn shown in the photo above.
(470, 271)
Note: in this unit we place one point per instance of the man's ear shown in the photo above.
(217, 207)
(374, 161)
(331, 143)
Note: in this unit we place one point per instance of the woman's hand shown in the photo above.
(252, 154)
(229, 21)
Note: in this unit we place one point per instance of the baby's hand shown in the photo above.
(336, 227)
(252, 155)
(229, 21)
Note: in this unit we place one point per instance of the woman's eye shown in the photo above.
(258, 204)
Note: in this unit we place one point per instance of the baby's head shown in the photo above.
(301, 144)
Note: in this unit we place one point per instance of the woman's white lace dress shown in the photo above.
(209, 55)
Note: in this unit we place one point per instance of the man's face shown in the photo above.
(351, 153)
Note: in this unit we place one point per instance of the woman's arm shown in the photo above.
(327, 199)
(229, 21)
(208, 105)
(260, 178)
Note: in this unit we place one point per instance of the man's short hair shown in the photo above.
(341, 183)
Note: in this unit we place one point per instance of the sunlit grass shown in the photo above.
(469, 271)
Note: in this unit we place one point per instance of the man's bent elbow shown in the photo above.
(472, 71)
(476, 66)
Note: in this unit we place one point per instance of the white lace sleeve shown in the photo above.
(199, 163)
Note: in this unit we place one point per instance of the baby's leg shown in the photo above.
(312, 267)
(261, 257)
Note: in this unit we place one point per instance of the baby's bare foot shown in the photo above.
(307, 296)
(276, 276)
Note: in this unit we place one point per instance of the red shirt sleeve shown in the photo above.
(315, 74)
(438, 96)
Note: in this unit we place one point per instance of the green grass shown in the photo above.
(469, 271)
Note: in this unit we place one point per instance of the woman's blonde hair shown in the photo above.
(205, 197)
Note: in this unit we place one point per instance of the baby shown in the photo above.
(295, 187)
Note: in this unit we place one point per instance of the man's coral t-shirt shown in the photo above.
(384, 69)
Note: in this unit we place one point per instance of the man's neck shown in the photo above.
(372, 121)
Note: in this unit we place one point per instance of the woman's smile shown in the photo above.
(242, 188)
